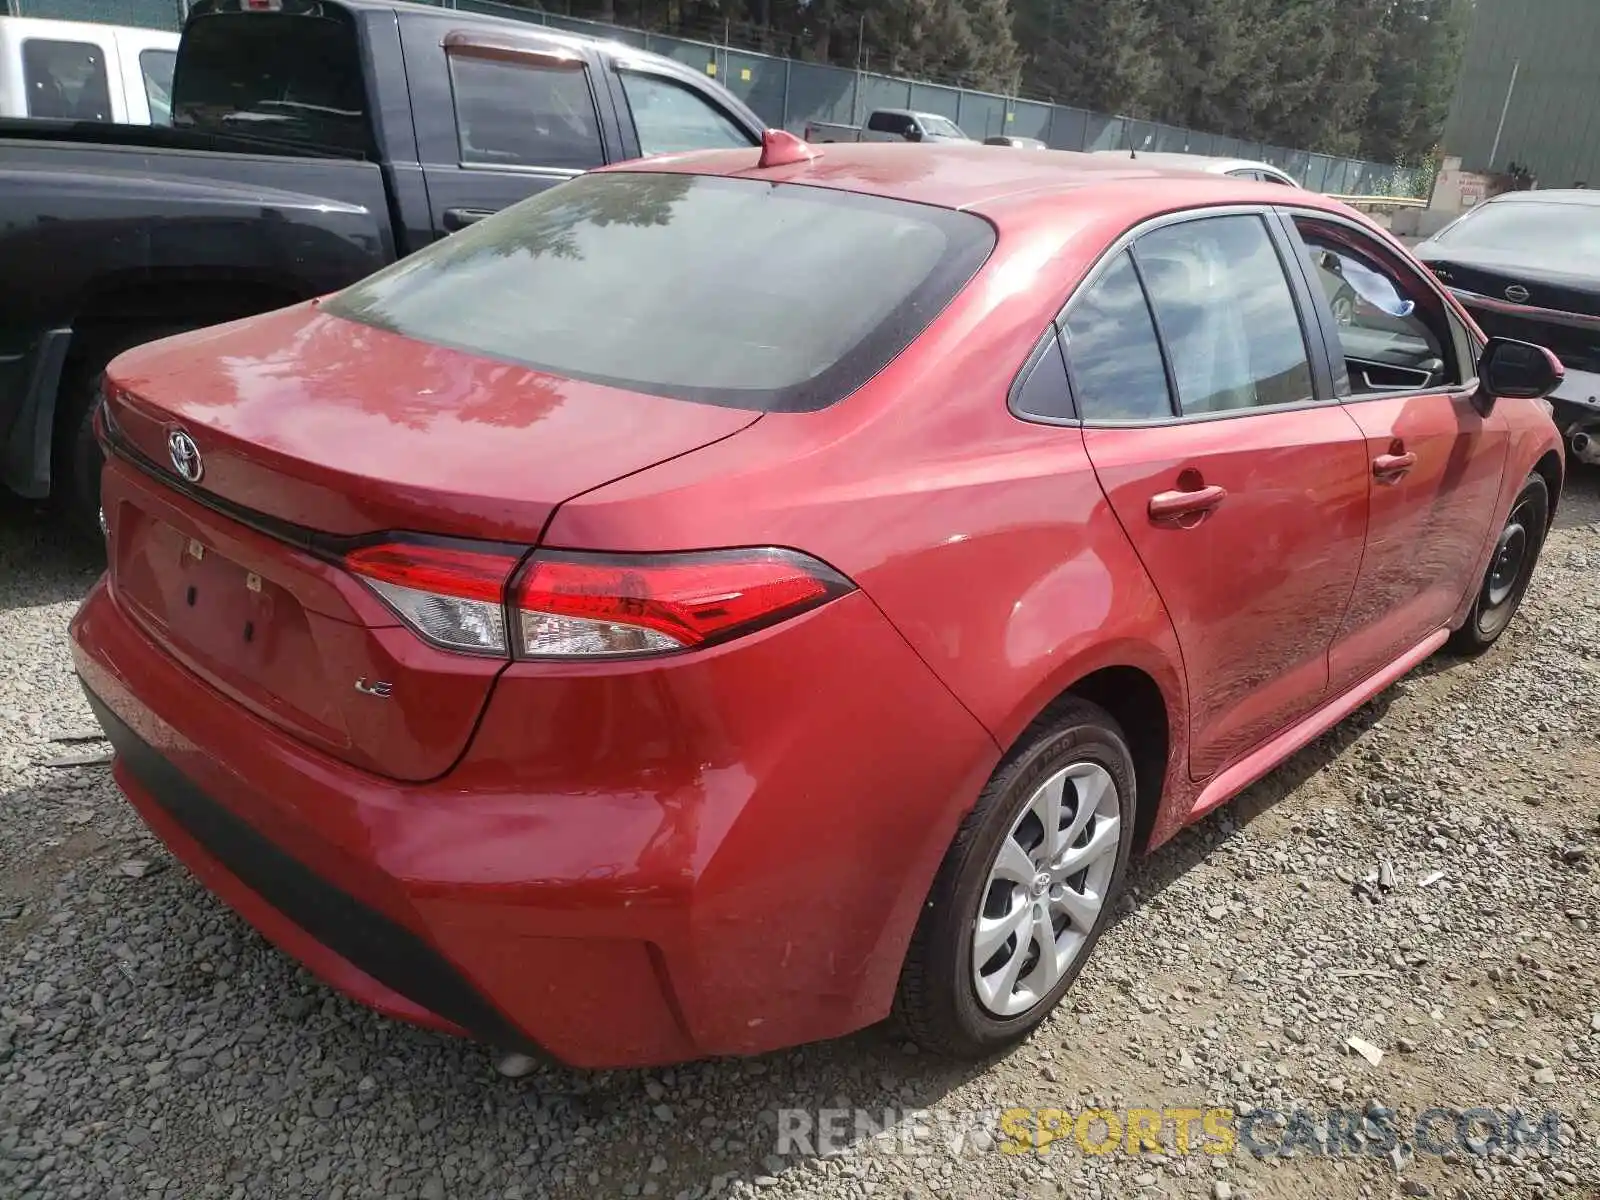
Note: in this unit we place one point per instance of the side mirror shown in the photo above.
(913, 134)
(1512, 370)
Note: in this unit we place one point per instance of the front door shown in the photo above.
(1434, 460)
(1239, 480)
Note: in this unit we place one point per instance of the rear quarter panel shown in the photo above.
(985, 539)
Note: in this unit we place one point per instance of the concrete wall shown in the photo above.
(1553, 123)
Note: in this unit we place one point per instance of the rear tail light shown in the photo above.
(452, 595)
(570, 605)
(609, 606)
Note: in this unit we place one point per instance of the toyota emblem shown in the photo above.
(1517, 294)
(185, 456)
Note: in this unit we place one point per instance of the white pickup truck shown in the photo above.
(79, 71)
(890, 125)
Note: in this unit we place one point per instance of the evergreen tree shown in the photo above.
(1369, 77)
(1096, 54)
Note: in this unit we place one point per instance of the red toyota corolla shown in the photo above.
(728, 597)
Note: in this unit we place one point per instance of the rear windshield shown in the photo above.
(284, 76)
(737, 292)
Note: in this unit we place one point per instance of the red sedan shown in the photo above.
(732, 596)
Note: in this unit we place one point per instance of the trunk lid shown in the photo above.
(311, 429)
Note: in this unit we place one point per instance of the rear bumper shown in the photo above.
(629, 866)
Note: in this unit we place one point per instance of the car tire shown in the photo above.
(1510, 569)
(947, 1002)
(76, 458)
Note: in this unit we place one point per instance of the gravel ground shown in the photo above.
(152, 1045)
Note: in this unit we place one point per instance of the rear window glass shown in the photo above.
(775, 297)
(286, 77)
(66, 80)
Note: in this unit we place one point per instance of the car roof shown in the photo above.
(1194, 162)
(509, 24)
(973, 176)
(1577, 196)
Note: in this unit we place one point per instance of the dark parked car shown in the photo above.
(1527, 265)
(553, 638)
(313, 142)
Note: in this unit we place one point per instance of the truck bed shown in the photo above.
(155, 137)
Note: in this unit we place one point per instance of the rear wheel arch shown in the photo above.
(1137, 702)
(118, 315)
(1148, 714)
(1550, 469)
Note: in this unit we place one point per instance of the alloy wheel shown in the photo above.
(1045, 888)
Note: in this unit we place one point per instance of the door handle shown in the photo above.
(1172, 506)
(460, 218)
(1388, 468)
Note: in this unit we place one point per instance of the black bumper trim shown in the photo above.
(384, 949)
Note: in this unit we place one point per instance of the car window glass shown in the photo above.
(66, 80)
(244, 73)
(1112, 350)
(511, 114)
(1045, 392)
(671, 118)
(1393, 331)
(155, 66)
(882, 122)
(1226, 314)
(938, 126)
(1532, 232)
(699, 287)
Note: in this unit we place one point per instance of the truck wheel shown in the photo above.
(76, 457)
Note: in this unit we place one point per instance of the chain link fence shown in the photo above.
(788, 93)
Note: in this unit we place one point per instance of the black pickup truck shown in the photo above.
(313, 141)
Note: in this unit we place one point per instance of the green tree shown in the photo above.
(1092, 53)
(1418, 61)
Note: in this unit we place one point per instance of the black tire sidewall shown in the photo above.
(77, 458)
(950, 949)
(1474, 634)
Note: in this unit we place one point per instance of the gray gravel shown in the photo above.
(152, 1045)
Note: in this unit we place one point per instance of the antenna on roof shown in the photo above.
(780, 148)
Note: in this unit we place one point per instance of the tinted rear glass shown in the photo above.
(66, 80)
(775, 297)
(1539, 233)
(287, 77)
(156, 68)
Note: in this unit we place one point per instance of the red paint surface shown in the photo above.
(726, 851)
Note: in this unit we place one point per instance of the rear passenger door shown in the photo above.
(522, 113)
(1237, 476)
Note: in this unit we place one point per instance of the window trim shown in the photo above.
(1321, 377)
(1334, 348)
(1050, 339)
(525, 55)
